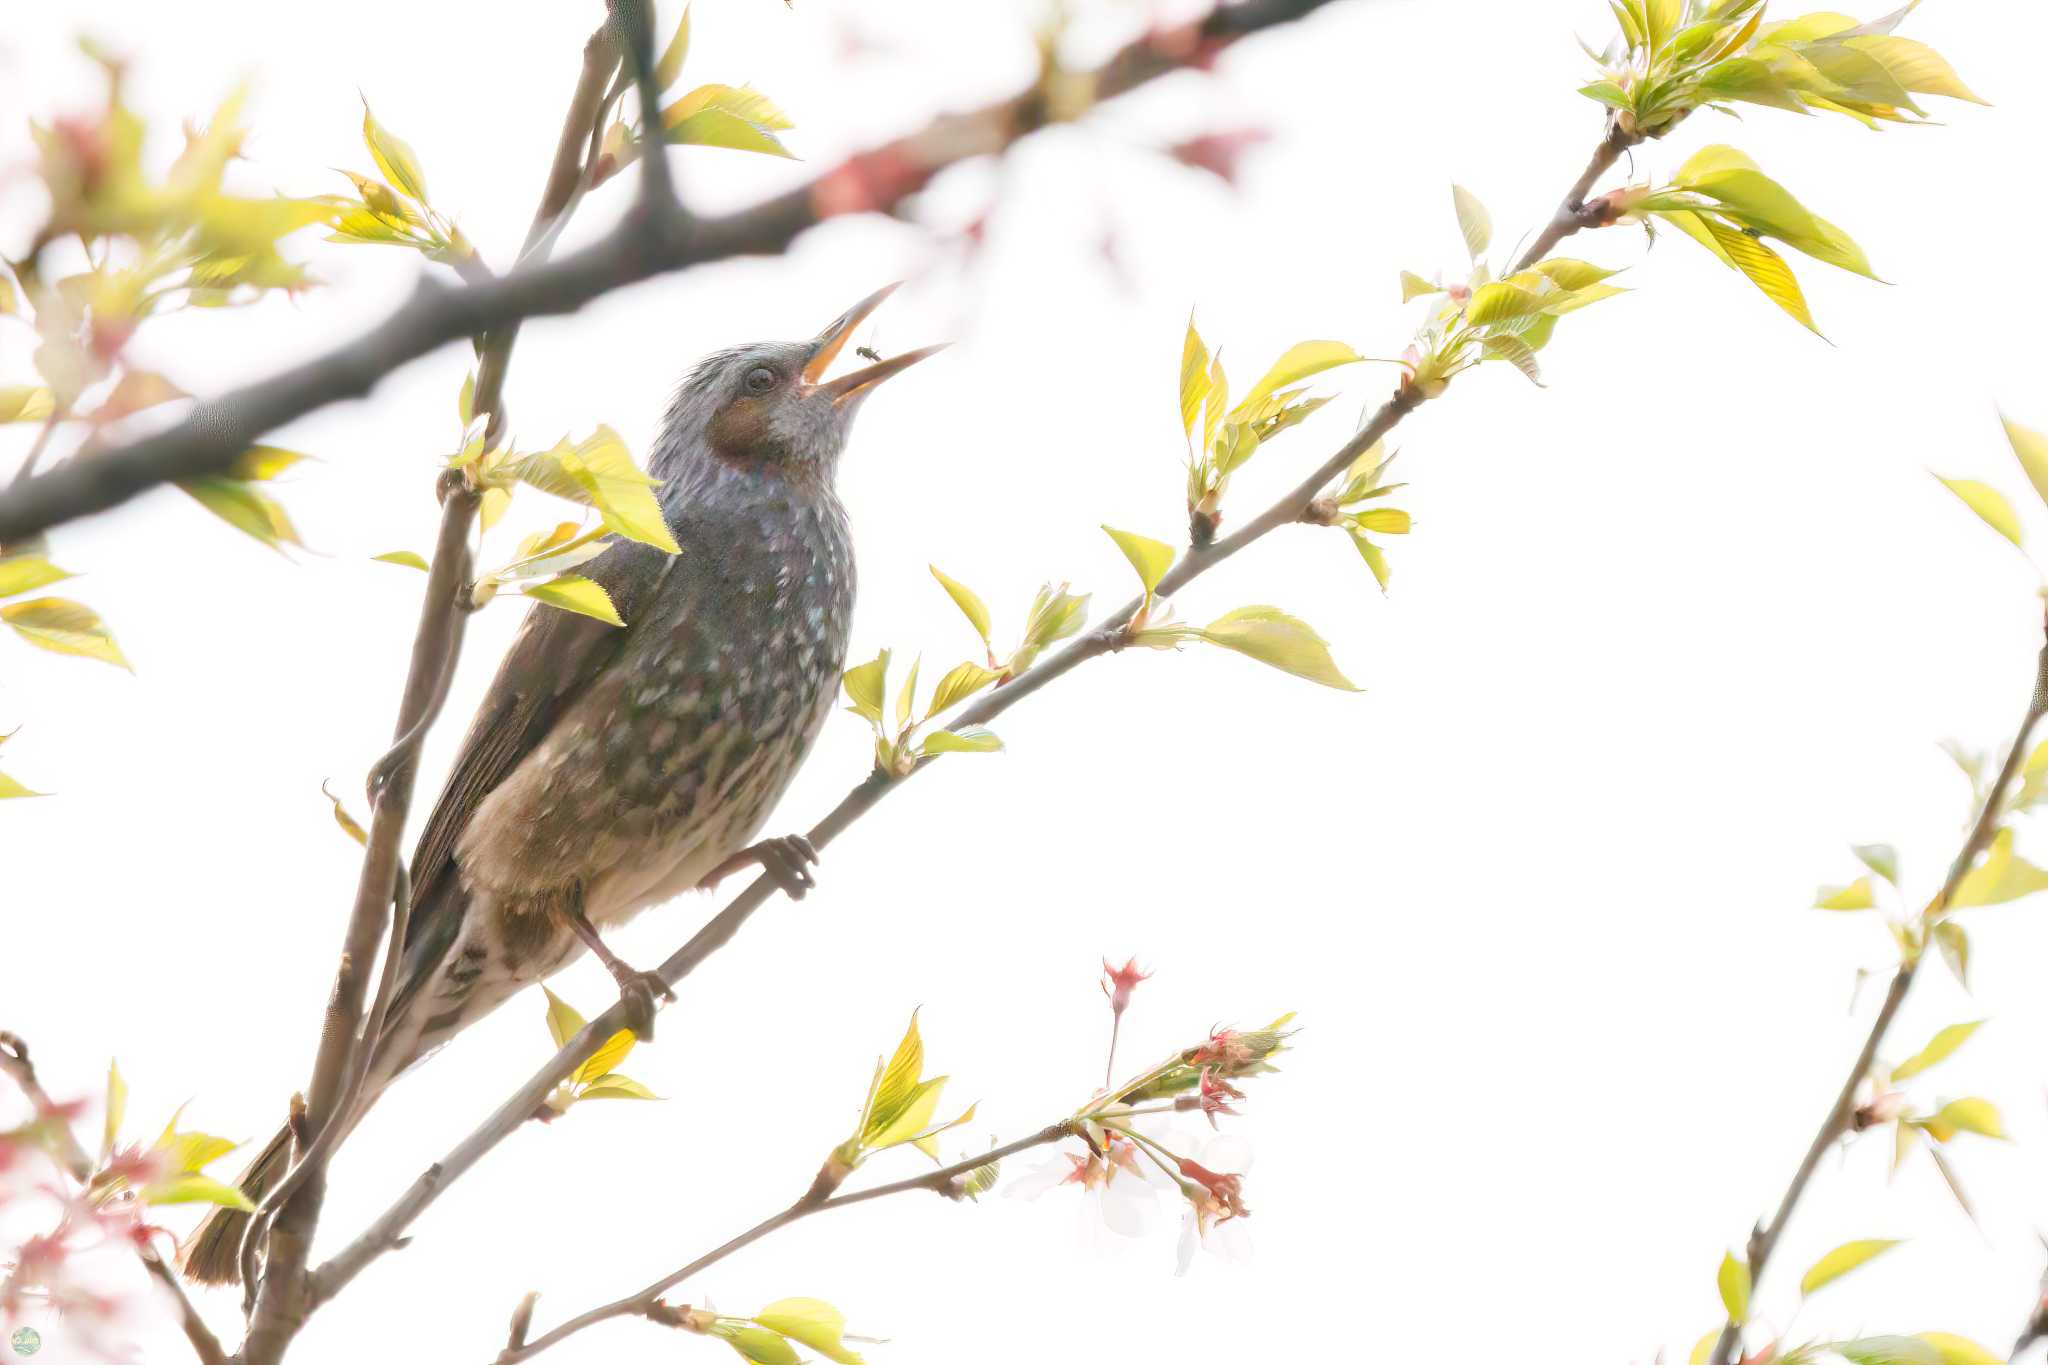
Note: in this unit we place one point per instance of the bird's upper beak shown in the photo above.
(833, 340)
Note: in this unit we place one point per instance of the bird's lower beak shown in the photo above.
(847, 388)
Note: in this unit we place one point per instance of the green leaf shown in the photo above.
(574, 592)
(1733, 1281)
(1567, 273)
(258, 464)
(1763, 267)
(117, 1109)
(1151, 558)
(2002, 876)
(725, 116)
(1194, 377)
(964, 597)
(1955, 1350)
(1885, 1351)
(1915, 66)
(197, 1189)
(962, 682)
(564, 1022)
(671, 64)
(866, 686)
(465, 400)
(63, 627)
(1938, 1049)
(26, 572)
(609, 481)
(1841, 1261)
(26, 404)
(1969, 1115)
(246, 508)
(1301, 360)
(968, 739)
(913, 1118)
(899, 1079)
(610, 1054)
(1882, 859)
(1273, 637)
(1857, 895)
(1954, 943)
(405, 557)
(1516, 352)
(1413, 286)
(2031, 448)
(348, 823)
(813, 1323)
(393, 157)
(616, 1087)
(12, 790)
(1389, 521)
(762, 1346)
(1473, 220)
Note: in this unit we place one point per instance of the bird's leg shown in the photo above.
(786, 860)
(637, 988)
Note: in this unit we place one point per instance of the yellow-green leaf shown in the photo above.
(12, 790)
(1733, 1281)
(564, 1022)
(609, 1055)
(899, 1078)
(1765, 268)
(906, 696)
(616, 1087)
(26, 404)
(260, 463)
(910, 1120)
(1955, 1350)
(866, 685)
(1969, 1115)
(965, 598)
(1301, 360)
(1194, 377)
(393, 157)
(574, 592)
(1391, 521)
(965, 739)
(1473, 220)
(1938, 1049)
(26, 572)
(2031, 448)
(405, 557)
(197, 1189)
(1413, 286)
(813, 1323)
(341, 817)
(245, 507)
(1273, 637)
(1841, 1261)
(762, 1346)
(116, 1108)
(64, 627)
(1857, 895)
(671, 64)
(960, 683)
(465, 400)
(2002, 876)
(1151, 558)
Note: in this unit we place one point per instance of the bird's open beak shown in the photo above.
(833, 340)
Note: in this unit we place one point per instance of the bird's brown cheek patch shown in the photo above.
(739, 433)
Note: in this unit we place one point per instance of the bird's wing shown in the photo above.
(556, 655)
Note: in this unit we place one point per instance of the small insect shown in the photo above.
(868, 353)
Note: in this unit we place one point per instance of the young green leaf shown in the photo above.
(1969, 1115)
(1857, 895)
(27, 572)
(810, 1322)
(393, 157)
(26, 404)
(1301, 360)
(116, 1109)
(964, 597)
(616, 1087)
(762, 1346)
(2002, 876)
(1194, 377)
(906, 696)
(866, 686)
(1938, 1049)
(1988, 503)
(465, 400)
(404, 557)
(968, 739)
(1273, 637)
(1955, 1350)
(962, 682)
(243, 506)
(1473, 221)
(1882, 859)
(1841, 1261)
(64, 627)
(573, 592)
(2031, 449)
(671, 64)
(1954, 942)
(342, 818)
(564, 1022)
(1732, 1279)
(1151, 558)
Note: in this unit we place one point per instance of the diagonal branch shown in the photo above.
(655, 239)
(388, 1230)
(1764, 1240)
(647, 1302)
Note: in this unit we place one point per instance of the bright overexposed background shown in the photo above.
(1670, 633)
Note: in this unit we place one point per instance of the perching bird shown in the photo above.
(610, 769)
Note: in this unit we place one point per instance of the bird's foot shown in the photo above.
(786, 860)
(639, 991)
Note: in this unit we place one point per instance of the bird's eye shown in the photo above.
(760, 379)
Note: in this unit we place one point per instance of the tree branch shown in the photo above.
(389, 1228)
(653, 240)
(1764, 1240)
(648, 1301)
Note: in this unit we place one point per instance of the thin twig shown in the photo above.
(217, 431)
(389, 1228)
(15, 1061)
(814, 1201)
(1763, 1240)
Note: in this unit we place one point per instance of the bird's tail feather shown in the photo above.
(213, 1254)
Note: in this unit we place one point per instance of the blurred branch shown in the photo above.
(818, 1199)
(1763, 1240)
(389, 1229)
(656, 238)
(15, 1061)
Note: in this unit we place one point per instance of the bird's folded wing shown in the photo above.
(556, 655)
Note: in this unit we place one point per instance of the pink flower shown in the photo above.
(1119, 982)
(1216, 1095)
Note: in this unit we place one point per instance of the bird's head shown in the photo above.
(769, 407)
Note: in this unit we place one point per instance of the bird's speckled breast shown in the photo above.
(670, 762)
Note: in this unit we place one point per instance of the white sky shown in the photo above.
(1669, 635)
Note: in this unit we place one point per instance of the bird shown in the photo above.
(610, 769)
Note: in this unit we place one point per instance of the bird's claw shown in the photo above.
(785, 860)
(638, 991)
